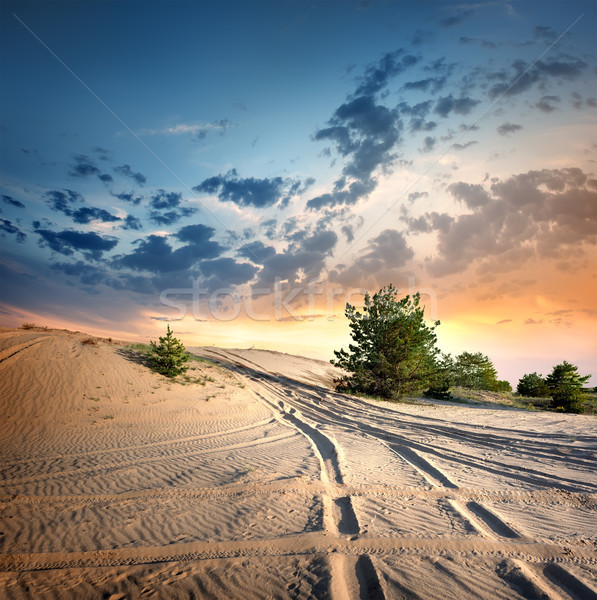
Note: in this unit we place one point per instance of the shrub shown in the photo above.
(169, 356)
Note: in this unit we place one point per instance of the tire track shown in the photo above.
(339, 518)
(104, 469)
(17, 348)
(486, 522)
(314, 543)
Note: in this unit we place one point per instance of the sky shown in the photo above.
(242, 170)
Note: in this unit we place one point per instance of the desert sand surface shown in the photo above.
(265, 483)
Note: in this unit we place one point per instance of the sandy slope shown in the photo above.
(264, 483)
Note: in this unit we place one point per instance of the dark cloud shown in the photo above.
(421, 125)
(347, 194)
(507, 128)
(377, 76)
(132, 223)
(128, 172)
(170, 203)
(428, 144)
(365, 133)
(164, 200)
(131, 198)
(61, 201)
(432, 84)
(171, 216)
(448, 104)
(86, 273)
(522, 78)
(11, 201)
(256, 251)
(249, 191)
(156, 255)
(413, 196)
(592, 102)
(199, 235)
(477, 41)
(460, 15)
(420, 109)
(381, 263)
(428, 222)
(106, 178)
(546, 103)
(464, 146)
(67, 242)
(83, 166)
(226, 272)
(348, 232)
(547, 214)
(302, 260)
(472, 195)
(86, 214)
(321, 241)
(8, 227)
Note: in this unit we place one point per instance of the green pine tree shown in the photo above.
(566, 388)
(476, 371)
(533, 385)
(394, 350)
(169, 356)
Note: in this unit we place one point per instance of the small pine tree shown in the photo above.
(169, 356)
(566, 387)
(532, 385)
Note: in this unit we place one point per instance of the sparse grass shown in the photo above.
(140, 348)
(89, 341)
(34, 327)
(199, 359)
(481, 397)
(108, 417)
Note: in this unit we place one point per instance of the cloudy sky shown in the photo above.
(242, 169)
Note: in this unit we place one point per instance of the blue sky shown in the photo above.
(301, 153)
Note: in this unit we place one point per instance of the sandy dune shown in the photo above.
(265, 483)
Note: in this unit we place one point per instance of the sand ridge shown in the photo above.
(267, 483)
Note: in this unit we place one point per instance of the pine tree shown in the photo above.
(394, 349)
(168, 357)
(566, 387)
(476, 371)
(532, 385)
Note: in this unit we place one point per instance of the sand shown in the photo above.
(265, 483)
